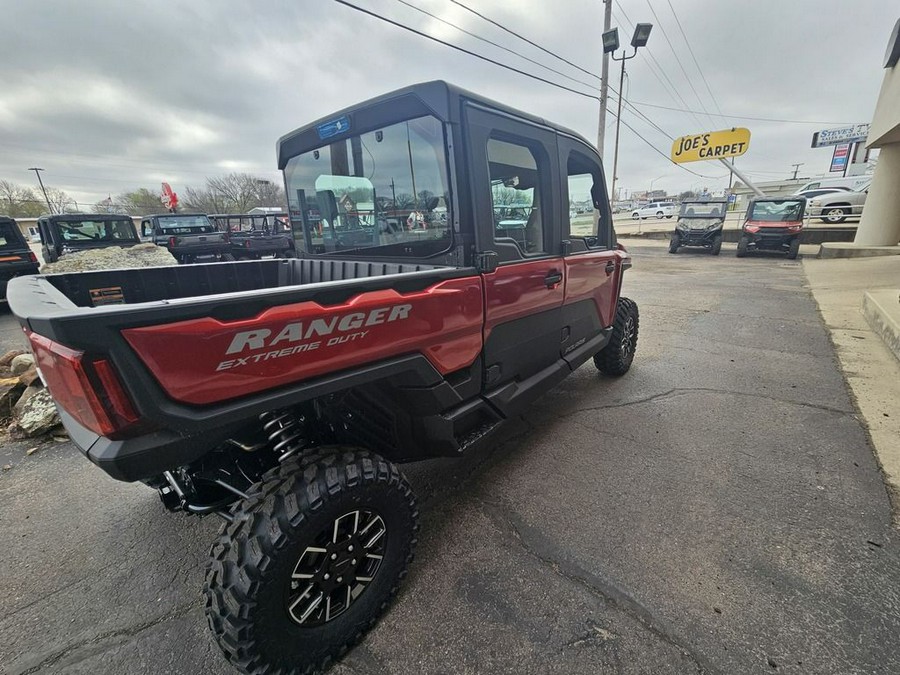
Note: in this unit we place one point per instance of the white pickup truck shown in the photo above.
(836, 207)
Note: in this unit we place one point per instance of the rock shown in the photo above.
(23, 399)
(10, 391)
(7, 358)
(38, 415)
(21, 363)
(30, 377)
(112, 257)
(31, 451)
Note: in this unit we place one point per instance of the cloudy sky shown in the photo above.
(112, 96)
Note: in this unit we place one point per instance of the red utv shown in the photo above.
(772, 224)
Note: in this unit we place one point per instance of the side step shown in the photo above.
(477, 435)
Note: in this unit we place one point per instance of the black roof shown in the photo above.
(85, 216)
(7, 219)
(437, 98)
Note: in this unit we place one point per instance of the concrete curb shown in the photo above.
(847, 250)
(809, 235)
(882, 310)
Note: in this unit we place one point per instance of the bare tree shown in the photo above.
(234, 193)
(138, 202)
(19, 202)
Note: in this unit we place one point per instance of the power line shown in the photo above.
(496, 44)
(740, 117)
(464, 50)
(521, 37)
(410, 29)
(678, 61)
(694, 57)
(668, 85)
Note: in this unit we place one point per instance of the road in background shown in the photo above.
(716, 510)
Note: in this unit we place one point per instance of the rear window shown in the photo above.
(186, 224)
(9, 236)
(94, 231)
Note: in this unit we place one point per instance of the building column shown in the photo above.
(880, 222)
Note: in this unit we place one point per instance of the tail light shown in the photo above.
(171, 242)
(247, 244)
(88, 389)
(32, 257)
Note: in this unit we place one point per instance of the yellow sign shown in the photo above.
(711, 145)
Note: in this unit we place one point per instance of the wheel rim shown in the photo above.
(834, 214)
(628, 337)
(337, 568)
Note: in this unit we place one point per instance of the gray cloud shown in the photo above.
(113, 96)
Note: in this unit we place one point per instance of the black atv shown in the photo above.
(700, 223)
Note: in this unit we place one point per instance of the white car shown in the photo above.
(654, 210)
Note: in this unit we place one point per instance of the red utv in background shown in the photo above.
(772, 224)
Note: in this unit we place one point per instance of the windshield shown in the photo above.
(185, 224)
(383, 193)
(702, 210)
(96, 230)
(776, 212)
(9, 236)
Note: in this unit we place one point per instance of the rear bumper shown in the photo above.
(11, 270)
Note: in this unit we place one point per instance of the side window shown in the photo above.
(516, 195)
(587, 218)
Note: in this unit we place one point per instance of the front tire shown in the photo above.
(635, 216)
(616, 357)
(793, 248)
(743, 246)
(674, 243)
(312, 558)
(659, 215)
(835, 214)
(716, 245)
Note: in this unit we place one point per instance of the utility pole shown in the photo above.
(37, 172)
(796, 169)
(604, 89)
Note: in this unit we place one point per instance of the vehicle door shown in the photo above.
(48, 252)
(592, 262)
(515, 179)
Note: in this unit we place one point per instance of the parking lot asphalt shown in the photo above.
(716, 510)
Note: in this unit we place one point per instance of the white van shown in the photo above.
(849, 183)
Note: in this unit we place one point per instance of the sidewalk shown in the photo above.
(870, 368)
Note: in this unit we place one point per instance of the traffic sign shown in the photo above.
(711, 145)
(853, 133)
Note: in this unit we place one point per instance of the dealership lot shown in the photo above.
(718, 509)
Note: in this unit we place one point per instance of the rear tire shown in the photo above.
(616, 357)
(793, 248)
(743, 246)
(716, 245)
(674, 243)
(277, 576)
(659, 215)
(635, 216)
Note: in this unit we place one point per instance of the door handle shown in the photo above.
(610, 267)
(553, 278)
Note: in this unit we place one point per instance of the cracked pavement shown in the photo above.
(717, 510)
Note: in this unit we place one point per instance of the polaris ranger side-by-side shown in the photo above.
(280, 394)
(772, 224)
(16, 256)
(190, 237)
(256, 235)
(68, 233)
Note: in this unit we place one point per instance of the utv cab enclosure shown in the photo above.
(62, 234)
(190, 237)
(772, 224)
(280, 394)
(16, 257)
(700, 223)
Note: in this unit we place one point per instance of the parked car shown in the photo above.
(818, 192)
(16, 257)
(62, 234)
(836, 207)
(772, 224)
(700, 223)
(279, 394)
(188, 236)
(654, 210)
(844, 183)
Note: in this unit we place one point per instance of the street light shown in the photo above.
(611, 44)
(37, 172)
